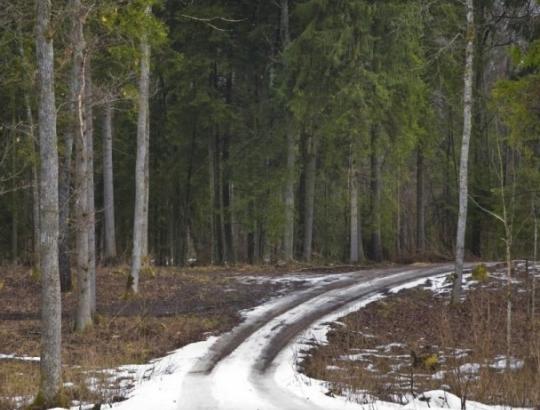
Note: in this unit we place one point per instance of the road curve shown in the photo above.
(239, 370)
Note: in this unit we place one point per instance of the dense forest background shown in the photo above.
(331, 131)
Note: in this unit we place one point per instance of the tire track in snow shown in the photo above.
(239, 371)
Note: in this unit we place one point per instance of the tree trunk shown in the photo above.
(146, 192)
(288, 234)
(354, 256)
(463, 168)
(89, 130)
(420, 206)
(51, 312)
(224, 258)
(34, 148)
(212, 197)
(14, 209)
(376, 242)
(309, 205)
(535, 255)
(35, 184)
(108, 183)
(82, 217)
(140, 175)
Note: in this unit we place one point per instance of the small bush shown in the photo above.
(480, 273)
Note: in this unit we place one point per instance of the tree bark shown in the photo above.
(108, 183)
(82, 218)
(146, 192)
(212, 197)
(35, 181)
(140, 176)
(51, 313)
(463, 168)
(420, 205)
(34, 148)
(288, 234)
(354, 254)
(376, 242)
(89, 131)
(309, 205)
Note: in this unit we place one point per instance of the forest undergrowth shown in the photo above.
(416, 341)
(174, 308)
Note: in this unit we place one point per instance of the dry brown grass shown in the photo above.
(174, 308)
(437, 335)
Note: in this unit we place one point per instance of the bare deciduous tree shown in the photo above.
(51, 314)
(464, 161)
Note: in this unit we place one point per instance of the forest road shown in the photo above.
(241, 370)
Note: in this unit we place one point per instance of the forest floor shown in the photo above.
(414, 341)
(175, 307)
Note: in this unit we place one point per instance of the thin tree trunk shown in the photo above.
(14, 210)
(399, 227)
(51, 312)
(212, 195)
(288, 234)
(535, 255)
(64, 193)
(35, 181)
(82, 217)
(146, 193)
(354, 257)
(309, 205)
(376, 242)
(221, 202)
(420, 206)
(463, 168)
(34, 149)
(89, 130)
(108, 183)
(140, 176)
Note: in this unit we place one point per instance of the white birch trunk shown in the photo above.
(51, 313)
(463, 168)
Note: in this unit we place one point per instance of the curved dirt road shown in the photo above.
(251, 367)
(240, 370)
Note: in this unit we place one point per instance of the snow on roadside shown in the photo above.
(15, 357)
(157, 383)
(288, 377)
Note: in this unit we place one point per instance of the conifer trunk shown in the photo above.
(212, 197)
(354, 223)
(288, 234)
(309, 205)
(376, 242)
(108, 183)
(51, 314)
(463, 168)
(420, 205)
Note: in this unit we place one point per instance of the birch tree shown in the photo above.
(51, 314)
(463, 167)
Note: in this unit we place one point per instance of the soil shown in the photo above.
(175, 307)
(414, 341)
